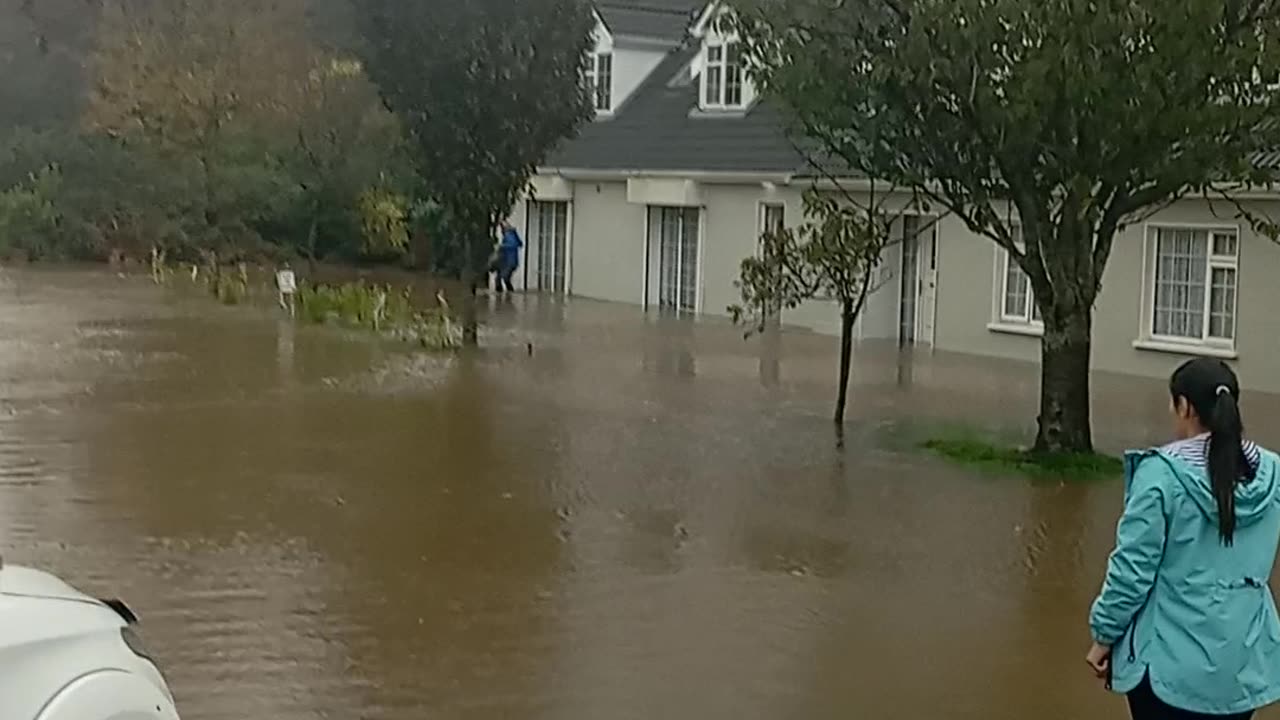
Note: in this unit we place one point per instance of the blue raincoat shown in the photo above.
(1177, 605)
(509, 251)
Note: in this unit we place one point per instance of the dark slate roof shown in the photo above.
(655, 130)
(663, 19)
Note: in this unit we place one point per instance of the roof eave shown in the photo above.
(707, 176)
(704, 19)
(646, 41)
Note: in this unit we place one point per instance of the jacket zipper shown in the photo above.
(1111, 666)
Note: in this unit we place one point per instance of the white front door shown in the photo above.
(547, 254)
(928, 305)
(909, 281)
(918, 286)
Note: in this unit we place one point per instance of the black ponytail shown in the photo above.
(1213, 391)
(1226, 459)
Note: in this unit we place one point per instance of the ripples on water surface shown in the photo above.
(641, 519)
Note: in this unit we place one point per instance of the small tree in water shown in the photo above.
(1046, 126)
(486, 88)
(834, 255)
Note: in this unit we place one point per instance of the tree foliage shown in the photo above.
(43, 46)
(485, 89)
(834, 255)
(239, 127)
(1045, 126)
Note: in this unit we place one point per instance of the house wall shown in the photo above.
(607, 251)
(631, 65)
(969, 286)
(608, 263)
(632, 61)
(608, 243)
(731, 222)
(731, 234)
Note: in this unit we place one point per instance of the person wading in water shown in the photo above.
(1186, 625)
(508, 258)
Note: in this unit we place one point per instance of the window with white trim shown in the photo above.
(722, 79)
(1192, 286)
(600, 80)
(1017, 300)
(773, 217)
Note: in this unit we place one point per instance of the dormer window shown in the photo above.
(722, 79)
(600, 80)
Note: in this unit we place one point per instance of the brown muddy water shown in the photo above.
(641, 519)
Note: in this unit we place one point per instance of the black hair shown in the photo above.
(1213, 391)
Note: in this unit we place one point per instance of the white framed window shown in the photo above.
(600, 80)
(722, 80)
(773, 217)
(1015, 299)
(1191, 287)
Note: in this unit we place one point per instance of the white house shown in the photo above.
(658, 201)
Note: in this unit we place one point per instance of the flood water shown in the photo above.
(599, 516)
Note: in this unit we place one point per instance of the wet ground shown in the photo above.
(598, 517)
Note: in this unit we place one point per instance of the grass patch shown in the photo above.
(977, 453)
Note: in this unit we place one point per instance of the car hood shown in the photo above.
(27, 582)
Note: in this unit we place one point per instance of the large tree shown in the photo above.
(206, 84)
(485, 88)
(1047, 126)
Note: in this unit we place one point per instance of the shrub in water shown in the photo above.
(380, 309)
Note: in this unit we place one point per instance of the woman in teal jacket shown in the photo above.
(1185, 624)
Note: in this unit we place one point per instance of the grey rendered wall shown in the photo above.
(732, 226)
(608, 243)
(968, 282)
(730, 232)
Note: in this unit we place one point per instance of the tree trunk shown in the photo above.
(847, 316)
(470, 319)
(771, 354)
(1064, 382)
(312, 234)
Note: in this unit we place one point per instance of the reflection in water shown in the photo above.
(771, 355)
(906, 368)
(285, 330)
(671, 352)
(317, 525)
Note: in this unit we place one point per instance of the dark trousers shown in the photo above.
(1144, 705)
(502, 281)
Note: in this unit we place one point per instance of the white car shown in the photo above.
(67, 656)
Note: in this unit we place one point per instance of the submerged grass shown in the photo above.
(359, 305)
(379, 309)
(977, 453)
(998, 452)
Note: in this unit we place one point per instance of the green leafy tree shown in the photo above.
(1045, 126)
(347, 145)
(485, 89)
(28, 217)
(834, 255)
(207, 82)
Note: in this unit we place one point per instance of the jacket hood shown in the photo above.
(1253, 499)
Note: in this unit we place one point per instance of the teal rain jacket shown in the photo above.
(1177, 605)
